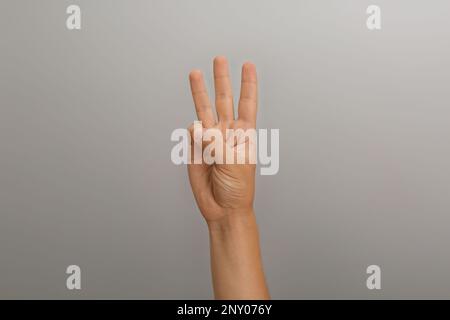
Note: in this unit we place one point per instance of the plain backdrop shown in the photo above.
(85, 123)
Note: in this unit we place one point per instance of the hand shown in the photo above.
(224, 189)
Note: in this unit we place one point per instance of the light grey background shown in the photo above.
(85, 124)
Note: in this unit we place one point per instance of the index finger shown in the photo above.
(201, 100)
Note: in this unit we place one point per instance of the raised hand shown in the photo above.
(224, 192)
(221, 189)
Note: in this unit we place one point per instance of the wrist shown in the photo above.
(233, 219)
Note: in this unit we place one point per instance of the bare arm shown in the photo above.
(235, 258)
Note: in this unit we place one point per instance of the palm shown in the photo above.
(218, 187)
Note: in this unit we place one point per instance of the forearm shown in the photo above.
(236, 264)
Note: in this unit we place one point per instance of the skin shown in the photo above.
(224, 192)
